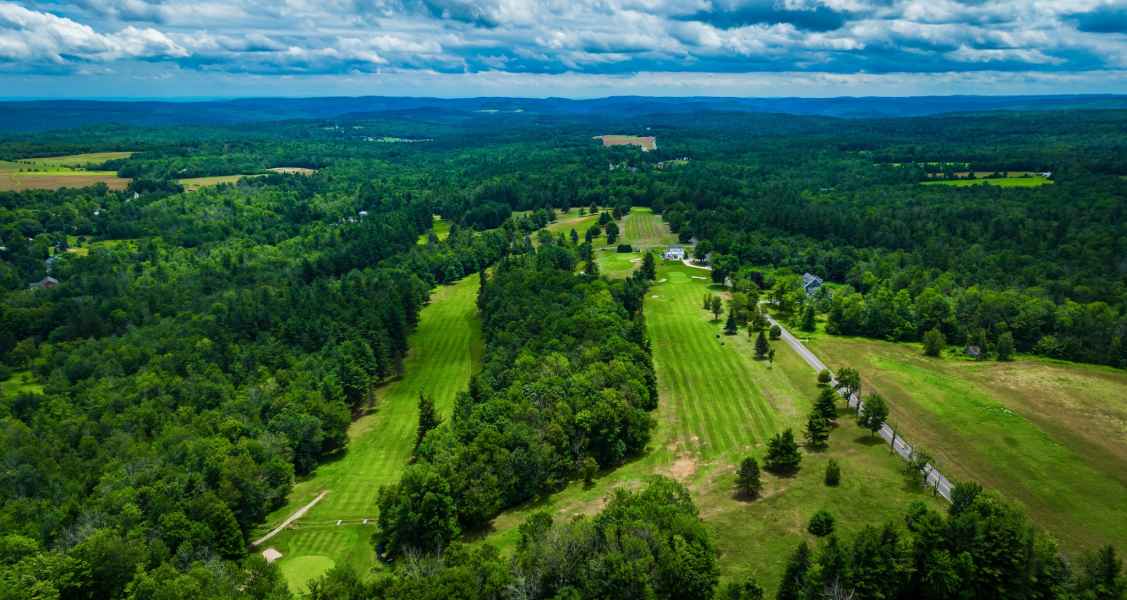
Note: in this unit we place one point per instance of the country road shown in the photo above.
(934, 478)
(297, 514)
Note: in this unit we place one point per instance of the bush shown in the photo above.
(590, 468)
(934, 342)
(776, 332)
(624, 248)
(833, 473)
(824, 377)
(821, 524)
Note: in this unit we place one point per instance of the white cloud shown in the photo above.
(28, 35)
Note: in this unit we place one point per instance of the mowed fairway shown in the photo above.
(445, 350)
(642, 228)
(717, 405)
(1051, 436)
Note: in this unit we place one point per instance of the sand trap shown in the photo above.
(271, 555)
(698, 277)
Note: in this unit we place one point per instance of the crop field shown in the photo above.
(1050, 435)
(717, 405)
(58, 172)
(445, 350)
(1033, 181)
(646, 143)
(293, 170)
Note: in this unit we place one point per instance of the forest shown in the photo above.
(198, 352)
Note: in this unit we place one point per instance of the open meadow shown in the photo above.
(645, 142)
(54, 172)
(1031, 181)
(445, 351)
(1050, 435)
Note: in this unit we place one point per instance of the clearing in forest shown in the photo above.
(718, 405)
(445, 350)
(646, 142)
(56, 172)
(1049, 435)
(1020, 181)
(642, 228)
(192, 184)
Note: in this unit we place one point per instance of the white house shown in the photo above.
(675, 253)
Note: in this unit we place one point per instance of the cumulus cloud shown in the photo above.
(581, 37)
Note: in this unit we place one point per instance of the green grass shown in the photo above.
(644, 229)
(299, 571)
(1034, 181)
(1051, 436)
(718, 405)
(441, 228)
(573, 220)
(192, 184)
(20, 382)
(445, 351)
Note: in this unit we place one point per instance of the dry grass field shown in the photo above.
(646, 143)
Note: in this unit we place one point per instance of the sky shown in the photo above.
(571, 48)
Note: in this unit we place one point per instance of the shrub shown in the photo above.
(776, 332)
(833, 473)
(824, 377)
(821, 524)
(747, 480)
(934, 342)
(624, 248)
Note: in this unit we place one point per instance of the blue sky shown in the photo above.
(577, 48)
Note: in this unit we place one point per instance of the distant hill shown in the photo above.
(42, 115)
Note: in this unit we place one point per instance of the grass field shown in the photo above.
(441, 228)
(192, 184)
(58, 172)
(1050, 435)
(644, 229)
(717, 405)
(445, 350)
(646, 143)
(1034, 181)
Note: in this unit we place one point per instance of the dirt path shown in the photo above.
(297, 514)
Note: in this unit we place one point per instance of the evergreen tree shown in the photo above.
(612, 232)
(747, 478)
(591, 269)
(747, 589)
(574, 236)
(776, 332)
(730, 327)
(821, 524)
(716, 306)
(1101, 576)
(761, 346)
(934, 342)
(826, 405)
(825, 377)
(783, 456)
(833, 473)
(428, 418)
(817, 431)
(649, 266)
(793, 584)
(809, 318)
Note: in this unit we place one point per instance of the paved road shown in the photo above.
(297, 514)
(934, 478)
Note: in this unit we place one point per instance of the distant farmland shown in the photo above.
(55, 172)
(646, 143)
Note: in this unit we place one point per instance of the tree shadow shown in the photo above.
(869, 440)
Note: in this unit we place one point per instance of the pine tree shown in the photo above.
(809, 319)
(826, 405)
(817, 431)
(717, 306)
(833, 473)
(730, 327)
(782, 453)
(794, 578)
(747, 479)
(761, 346)
(649, 268)
(428, 419)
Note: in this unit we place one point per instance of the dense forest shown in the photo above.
(200, 350)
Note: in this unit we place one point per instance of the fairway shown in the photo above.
(1050, 435)
(717, 405)
(1034, 181)
(643, 229)
(444, 351)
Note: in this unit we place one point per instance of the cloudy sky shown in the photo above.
(580, 48)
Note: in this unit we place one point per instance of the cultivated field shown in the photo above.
(1050, 435)
(56, 172)
(1032, 181)
(445, 350)
(192, 184)
(718, 405)
(646, 143)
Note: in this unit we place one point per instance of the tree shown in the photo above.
(612, 232)
(873, 413)
(418, 512)
(771, 358)
(747, 589)
(848, 381)
(1101, 576)
(776, 332)
(826, 404)
(590, 469)
(825, 377)
(918, 467)
(747, 478)
(794, 577)
(821, 524)
(730, 327)
(1005, 348)
(649, 266)
(934, 342)
(592, 232)
(716, 305)
(428, 419)
(574, 236)
(817, 431)
(591, 267)
(809, 318)
(761, 346)
(963, 496)
(783, 456)
(833, 473)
